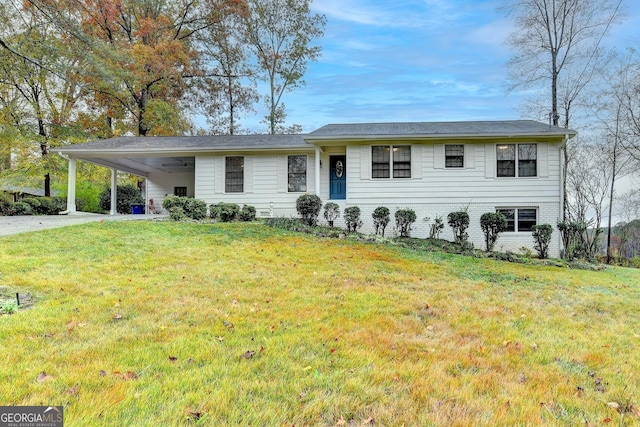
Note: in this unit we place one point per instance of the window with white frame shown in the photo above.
(519, 219)
(519, 160)
(454, 156)
(387, 158)
(297, 173)
(234, 174)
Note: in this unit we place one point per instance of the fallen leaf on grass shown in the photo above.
(369, 421)
(341, 422)
(43, 377)
(74, 390)
(117, 316)
(248, 354)
(103, 373)
(614, 405)
(195, 415)
(129, 375)
(173, 358)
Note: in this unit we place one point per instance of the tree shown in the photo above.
(280, 32)
(230, 83)
(558, 49)
(140, 54)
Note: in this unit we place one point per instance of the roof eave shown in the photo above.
(369, 138)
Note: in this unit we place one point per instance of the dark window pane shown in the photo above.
(454, 156)
(402, 162)
(234, 174)
(506, 160)
(510, 215)
(527, 159)
(526, 219)
(297, 173)
(180, 191)
(380, 159)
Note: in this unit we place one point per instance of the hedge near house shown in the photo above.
(308, 207)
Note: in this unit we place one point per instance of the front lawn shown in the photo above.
(163, 323)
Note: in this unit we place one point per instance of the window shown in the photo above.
(180, 191)
(297, 174)
(384, 159)
(522, 162)
(234, 175)
(526, 218)
(454, 156)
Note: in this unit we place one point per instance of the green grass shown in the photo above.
(145, 324)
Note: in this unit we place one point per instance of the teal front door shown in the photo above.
(338, 178)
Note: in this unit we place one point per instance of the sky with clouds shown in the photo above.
(413, 60)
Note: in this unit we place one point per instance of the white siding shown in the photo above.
(265, 183)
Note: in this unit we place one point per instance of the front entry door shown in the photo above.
(338, 177)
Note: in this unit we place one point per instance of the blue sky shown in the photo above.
(413, 60)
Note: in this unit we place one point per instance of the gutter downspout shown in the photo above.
(71, 186)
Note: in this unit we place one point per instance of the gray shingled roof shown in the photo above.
(435, 129)
(189, 143)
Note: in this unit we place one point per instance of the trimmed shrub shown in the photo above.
(176, 213)
(5, 206)
(195, 208)
(47, 207)
(352, 218)
(21, 208)
(225, 212)
(308, 207)
(380, 219)
(33, 202)
(404, 219)
(331, 212)
(436, 228)
(126, 195)
(247, 213)
(172, 201)
(459, 222)
(542, 236)
(492, 224)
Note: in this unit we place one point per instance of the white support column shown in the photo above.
(318, 171)
(71, 187)
(114, 191)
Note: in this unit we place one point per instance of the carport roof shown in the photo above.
(184, 144)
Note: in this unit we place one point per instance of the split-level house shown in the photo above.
(434, 168)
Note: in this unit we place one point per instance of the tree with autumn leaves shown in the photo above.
(73, 70)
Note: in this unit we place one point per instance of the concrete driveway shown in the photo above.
(23, 224)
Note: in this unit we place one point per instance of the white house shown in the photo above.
(433, 168)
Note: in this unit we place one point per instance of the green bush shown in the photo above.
(225, 212)
(176, 213)
(459, 222)
(542, 236)
(331, 212)
(126, 195)
(194, 208)
(247, 213)
(436, 228)
(21, 208)
(172, 201)
(5, 206)
(492, 224)
(404, 219)
(47, 206)
(308, 207)
(380, 219)
(33, 202)
(352, 218)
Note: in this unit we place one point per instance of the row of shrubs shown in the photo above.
(491, 223)
(35, 206)
(182, 208)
